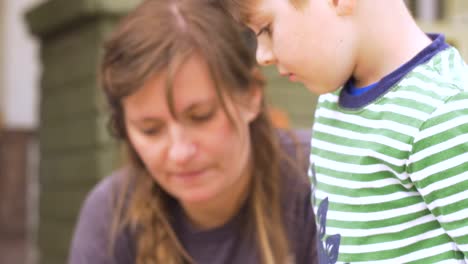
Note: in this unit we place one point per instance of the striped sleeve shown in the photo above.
(438, 166)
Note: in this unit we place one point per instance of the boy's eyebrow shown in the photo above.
(254, 19)
(257, 18)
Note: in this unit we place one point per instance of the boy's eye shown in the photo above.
(265, 30)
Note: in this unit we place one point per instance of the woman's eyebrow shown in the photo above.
(144, 120)
(197, 104)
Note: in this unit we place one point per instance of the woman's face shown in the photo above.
(200, 155)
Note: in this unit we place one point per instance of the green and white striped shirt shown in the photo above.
(391, 176)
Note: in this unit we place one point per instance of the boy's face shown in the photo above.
(313, 45)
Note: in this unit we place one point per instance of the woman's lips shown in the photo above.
(188, 175)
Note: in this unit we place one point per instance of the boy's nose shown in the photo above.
(265, 55)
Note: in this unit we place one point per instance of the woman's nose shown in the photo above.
(182, 147)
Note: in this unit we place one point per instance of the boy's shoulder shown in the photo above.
(432, 84)
(435, 86)
(445, 75)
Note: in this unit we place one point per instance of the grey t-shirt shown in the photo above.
(226, 244)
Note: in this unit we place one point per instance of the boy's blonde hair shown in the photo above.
(243, 10)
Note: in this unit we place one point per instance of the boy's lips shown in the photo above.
(292, 77)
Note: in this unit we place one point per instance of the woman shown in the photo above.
(204, 183)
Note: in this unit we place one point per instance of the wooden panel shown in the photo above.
(14, 184)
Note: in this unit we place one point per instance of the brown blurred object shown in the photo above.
(279, 118)
(14, 146)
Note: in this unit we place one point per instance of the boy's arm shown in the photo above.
(438, 166)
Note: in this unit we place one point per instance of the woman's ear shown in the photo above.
(252, 103)
(252, 100)
(343, 7)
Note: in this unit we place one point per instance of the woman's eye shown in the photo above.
(201, 117)
(150, 131)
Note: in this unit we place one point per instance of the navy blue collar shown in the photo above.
(350, 101)
(354, 90)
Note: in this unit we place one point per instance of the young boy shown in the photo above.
(390, 139)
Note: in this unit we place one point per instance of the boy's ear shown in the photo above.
(343, 7)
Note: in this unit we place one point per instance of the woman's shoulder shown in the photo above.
(91, 237)
(295, 184)
(296, 200)
(291, 139)
(99, 203)
(294, 158)
(105, 191)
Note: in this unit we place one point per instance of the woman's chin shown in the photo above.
(196, 197)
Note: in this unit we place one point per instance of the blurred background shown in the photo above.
(53, 142)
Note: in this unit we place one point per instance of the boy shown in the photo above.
(390, 139)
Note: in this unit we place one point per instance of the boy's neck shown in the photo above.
(389, 39)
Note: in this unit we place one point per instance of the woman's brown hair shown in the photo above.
(158, 36)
